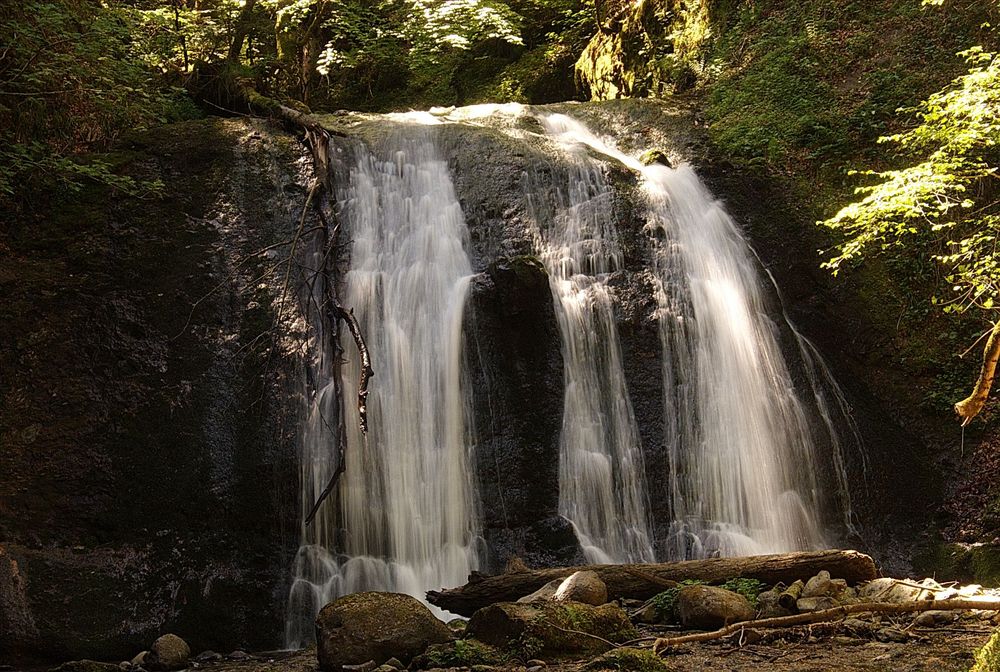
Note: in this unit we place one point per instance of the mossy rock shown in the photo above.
(570, 628)
(961, 562)
(988, 657)
(628, 659)
(651, 156)
(460, 653)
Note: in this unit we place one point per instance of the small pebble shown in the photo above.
(536, 663)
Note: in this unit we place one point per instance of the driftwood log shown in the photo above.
(634, 581)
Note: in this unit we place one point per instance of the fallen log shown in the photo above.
(663, 644)
(645, 580)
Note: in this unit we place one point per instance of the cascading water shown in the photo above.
(743, 467)
(407, 500)
(745, 474)
(602, 489)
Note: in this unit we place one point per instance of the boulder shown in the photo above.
(551, 627)
(375, 626)
(768, 605)
(584, 586)
(546, 592)
(822, 585)
(168, 652)
(708, 607)
(895, 591)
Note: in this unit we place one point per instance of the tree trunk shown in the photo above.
(625, 581)
(970, 407)
(241, 31)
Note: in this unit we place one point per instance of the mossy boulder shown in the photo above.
(375, 626)
(628, 659)
(168, 652)
(460, 653)
(710, 607)
(549, 628)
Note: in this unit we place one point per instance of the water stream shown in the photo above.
(407, 500)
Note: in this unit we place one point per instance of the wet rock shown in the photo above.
(709, 607)
(168, 652)
(377, 627)
(557, 628)
(239, 655)
(86, 666)
(140, 659)
(658, 156)
(534, 662)
(395, 663)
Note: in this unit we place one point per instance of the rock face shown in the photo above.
(552, 628)
(708, 607)
(135, 442)
(375, 626)
(168, 652)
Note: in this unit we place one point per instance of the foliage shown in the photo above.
(464, 653)
(748, 588)
(988, 657)
(628, 659)
(72, 79)
(666, 602)
(943, 192)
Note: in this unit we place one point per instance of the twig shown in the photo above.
(585, 634)
(826, 615)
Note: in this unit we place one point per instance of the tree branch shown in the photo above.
(836, 613)
(971, 406)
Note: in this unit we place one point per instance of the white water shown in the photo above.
(602, 489)
(743, 468)
(407, 500)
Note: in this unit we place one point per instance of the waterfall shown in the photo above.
(744, 470)
(406, 520)
(602, 489)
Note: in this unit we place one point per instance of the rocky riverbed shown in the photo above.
(823, 623)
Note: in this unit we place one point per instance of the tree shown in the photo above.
(946, 200)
